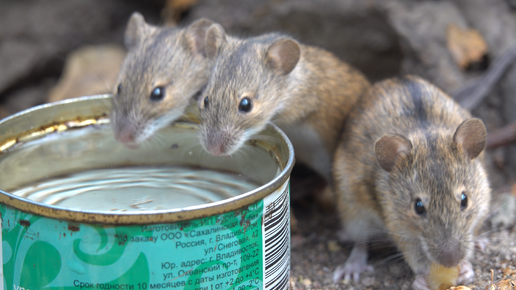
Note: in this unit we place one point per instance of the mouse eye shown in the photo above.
(206, 102)
(119, 89)
(419, 207)
(157, 94)
(245, 105)
(463, 201)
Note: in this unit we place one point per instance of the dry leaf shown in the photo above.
(507, 272)
(173, 9)
(466, 45)
(461, 287)
(89, 70)
(506, 284)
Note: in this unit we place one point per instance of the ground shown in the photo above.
(316, 253)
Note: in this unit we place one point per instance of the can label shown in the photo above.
(244, 249)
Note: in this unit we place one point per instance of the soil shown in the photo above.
(383, 38)
(316, 252)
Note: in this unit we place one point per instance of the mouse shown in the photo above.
(272, 78)
(410, 167)
(162, 74)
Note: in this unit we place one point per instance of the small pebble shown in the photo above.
(368, 281)
(333, 246)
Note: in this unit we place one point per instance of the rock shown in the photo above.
(3, 113)
(355, 31)
(497, 23)
(504, 210)
(174, 9)
(36, 34)
(422, 27)
(368, 281)
(28, 96)
(88, 71)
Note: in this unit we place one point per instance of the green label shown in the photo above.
(217, 252)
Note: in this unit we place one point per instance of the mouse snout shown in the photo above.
(217, 143)
(450, 253)
(127, 136)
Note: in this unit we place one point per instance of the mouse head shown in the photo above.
(437, 191)
(163, 70)
(246, 90)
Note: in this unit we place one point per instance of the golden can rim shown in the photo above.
(147, 217)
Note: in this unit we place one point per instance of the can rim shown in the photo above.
(147, 217)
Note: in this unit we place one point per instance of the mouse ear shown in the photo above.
(283, 55)
(136, 31)
(196, 34)
(215, 38)
(389, 148)
(471, 136)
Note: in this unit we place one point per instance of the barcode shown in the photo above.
(277, 242)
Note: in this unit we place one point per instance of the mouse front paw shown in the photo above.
(343, 236)
(420, 283)
(349, 270)
(481, 243)
(466, 273)
(356, 264)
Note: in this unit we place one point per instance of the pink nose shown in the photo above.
(126, 136)
(216, 150)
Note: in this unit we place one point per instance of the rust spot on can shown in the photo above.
(73, 228)
(25, 223)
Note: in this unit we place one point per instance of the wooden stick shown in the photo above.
(473, 93)
(501, 137)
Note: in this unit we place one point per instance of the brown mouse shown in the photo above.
(306, 91)
(164, 70)
(410, 165)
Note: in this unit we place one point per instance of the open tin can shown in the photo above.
(81, 211)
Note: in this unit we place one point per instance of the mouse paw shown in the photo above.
(343, 236)
(481, 243)
(356, 264)
(420, 283)
(349, 270)
(466, 273)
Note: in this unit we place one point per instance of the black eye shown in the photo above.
(206, 102)
(157, 94)
(119, 89)
(463, 201)
(419, 207)
(245, 105)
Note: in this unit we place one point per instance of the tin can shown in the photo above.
(241, 242)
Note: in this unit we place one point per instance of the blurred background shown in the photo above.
(53, 49)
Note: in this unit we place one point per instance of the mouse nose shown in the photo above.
(451, 254)
(217, 150)
(216, 143)
(125, 135)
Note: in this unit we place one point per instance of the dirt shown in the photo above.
(316, 252)
(382, 38)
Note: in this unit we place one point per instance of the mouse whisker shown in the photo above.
(392, 258)
(108, 89)
(496, 210)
